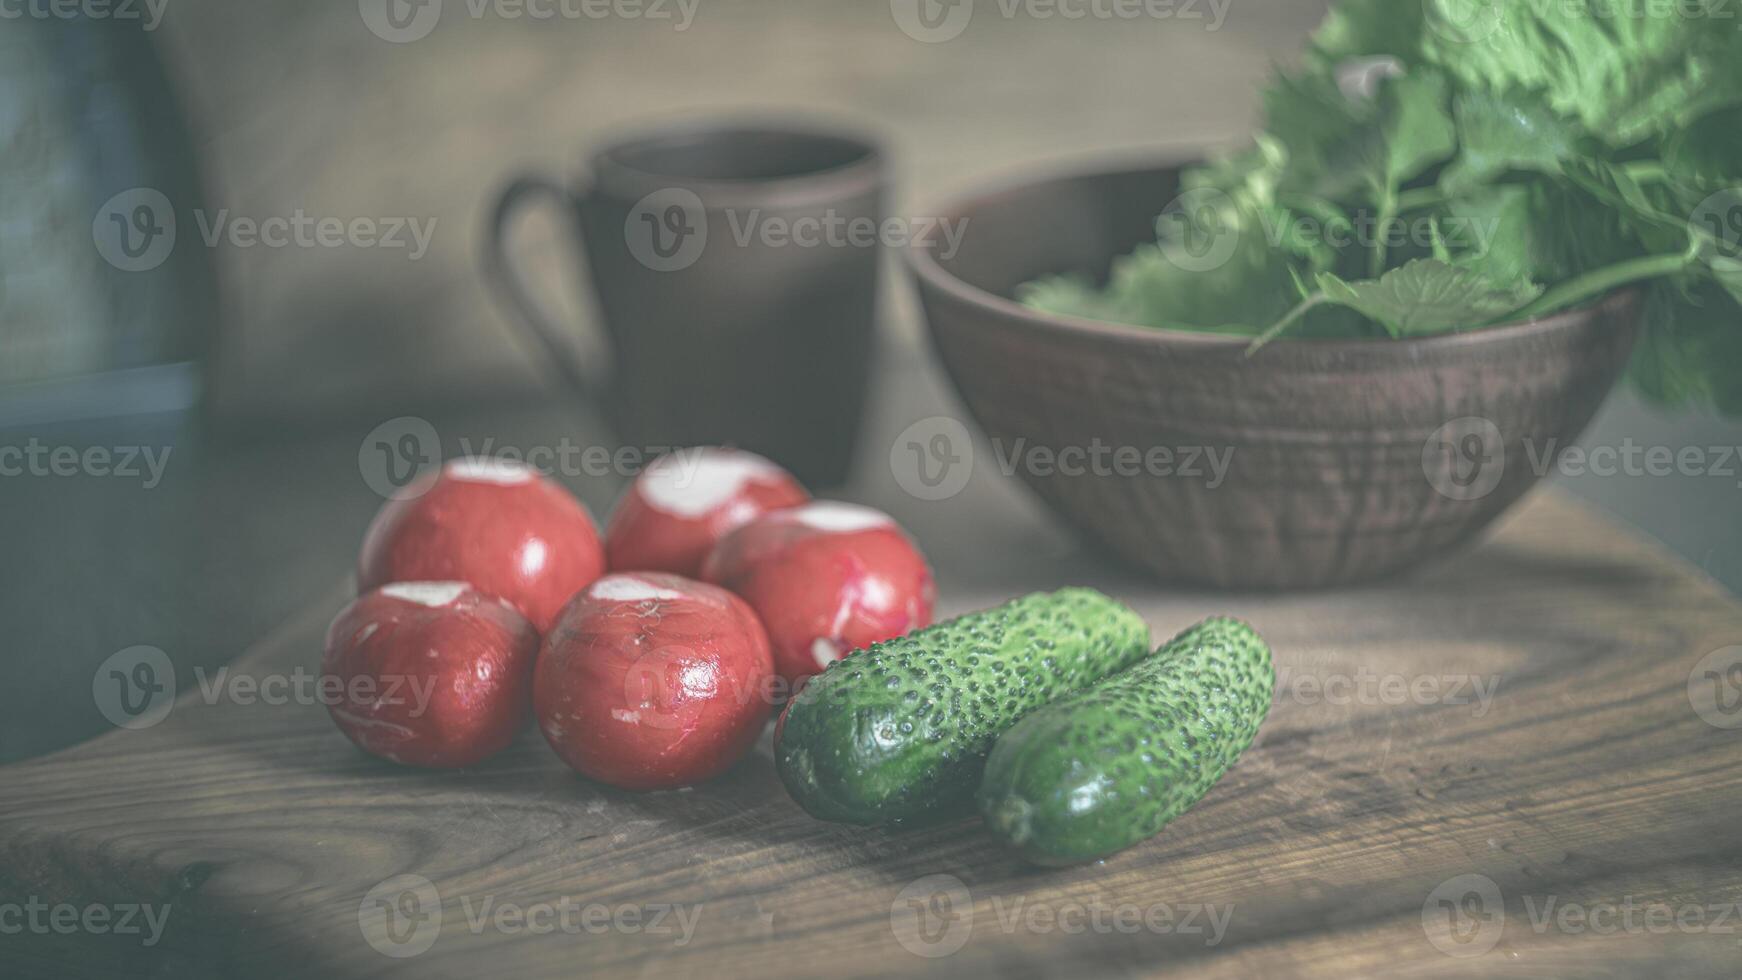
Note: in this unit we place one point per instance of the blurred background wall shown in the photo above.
(302, 106)
(299, 107)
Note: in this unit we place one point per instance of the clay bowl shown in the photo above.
(1346, 460)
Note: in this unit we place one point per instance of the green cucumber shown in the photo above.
(901, 729)
(1101, 770)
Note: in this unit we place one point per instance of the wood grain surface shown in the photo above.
(1522, 713)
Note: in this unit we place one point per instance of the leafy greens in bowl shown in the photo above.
(1442, 165)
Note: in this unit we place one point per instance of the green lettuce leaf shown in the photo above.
(1688, 354)
(1428, 296)
(1552, 151)
(1359, 151)
(1708, 153)
(1366, 29)
(1538, 230)
(1214, 267)
(1499, 132)
(1627, 69)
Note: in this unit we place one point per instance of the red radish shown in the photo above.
(429, 673)
(678, 508)
(653, 681)
(495, 524)
(827, 579)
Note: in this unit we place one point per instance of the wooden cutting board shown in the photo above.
(1511, 763)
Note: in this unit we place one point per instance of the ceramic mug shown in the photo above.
(736, 283)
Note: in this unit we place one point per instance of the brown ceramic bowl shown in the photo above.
(1345, 460)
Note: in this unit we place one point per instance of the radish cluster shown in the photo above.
(651, 658)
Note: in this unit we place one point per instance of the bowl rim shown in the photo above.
(926, 268)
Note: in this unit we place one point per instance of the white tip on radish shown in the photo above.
(628, 588)
(435, 595)
(831, 515)
(693, 484)
(485, 469)
(825, 651)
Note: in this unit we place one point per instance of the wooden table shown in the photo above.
(1521, 713)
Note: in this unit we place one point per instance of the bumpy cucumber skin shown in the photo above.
(901, 730)
(1099, 771)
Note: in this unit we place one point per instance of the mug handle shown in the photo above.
(532, 314)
